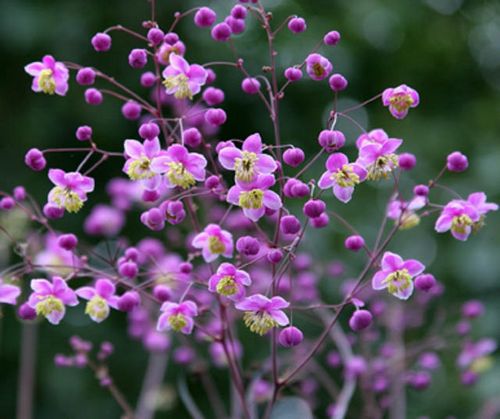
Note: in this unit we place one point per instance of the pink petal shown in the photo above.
(266, 164)
(85, 292)
(404, 294)
(34, 68)
(253, 143)
(9, 293)
(378, 280)
(227, 156)
(197, 74)
(105, 288)
(41, 286)
(272, 200)
(413, 266)
(326, 181)
(336, 161)
(179, 63)
(343, 194)
(391, 262)
(280, 317)
(57, 177)
(200, 240)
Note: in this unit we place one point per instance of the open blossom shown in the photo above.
(183, 80)
(404, 212)
(318, 67)
(50, 76)
(71, 189)
(400, 99)
(478, 201)
(396, 275)
(342, 176)
(181, 168)
(177, 317)
(214, 241)
(50, 299)
(378, 157)
(474, 355)
(255, 197)
(139, 158)
(375, 136)
(229, 282)
(54, 259)
(101, 297)
(249, 161)
(8, 293)
(166, 50)
(262, 313)
(458, 216)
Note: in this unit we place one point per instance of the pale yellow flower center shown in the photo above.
(345, 177)
(180, 83)
(251, 199)
(259, 322)
(244, 166)
(66, 198)
(227, 286)
(46, 81)
(459, 224)
(401, 102)
(48, 305)
(215, 245)
(177, 322)
(382, 167)
(179, 176)
(97, 308)
(398, 281)
(140, 169)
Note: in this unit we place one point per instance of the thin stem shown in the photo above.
(26, 381)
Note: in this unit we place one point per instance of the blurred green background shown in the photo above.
(446, 49)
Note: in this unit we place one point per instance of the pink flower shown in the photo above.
(249, 161)
(404, 212)
(167, 50)
(400, 99)
(177, 317)
(214, 241)
(342, 176)
(255, 197)
(101, 297)
(180, 167)
(473, 352)
(229, 282)
(378, 156)
(71, 189)
(375, 136)
(8, 293)
(478, 201)
(318, 67)
(54, 259)
(50, 299)
(183, 80)
(139, 157)
(262, 313)
(458, 216)
(50, 76)
(396, 275)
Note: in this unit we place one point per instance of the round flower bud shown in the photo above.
(250, 85)
(67, 241)
(212, 182)
(26, 312)
(355, 366)
(248, 246)
(421, 190)
(468, 378)
(35, 160)
(162, 292)
(297, 25)
(131, 110)
(132, 254)
(93, 96)
(457, 162)
(19, 193)
(289, 224)
(129, 301)
(215, 116)
(290, 336)
(7, 203)
(360, 320)
(419, 380)
(331, 38)
(237, 25)
(205, 17)
(211, 76)
(425, 282)
(85, 76)
(354, 243)
(148, 79)
(239, 12)
(149, 130)
(53, 212)
(331, 140)
(429, 361)
(275, 256)
(128, 269)
(221, 32)
(295, 188)
(155, 36)
(314, 208)
(83, 133)
(171, 38)
(407, 161)
(472, 309)
(138, 58)
(101, 42)
(338, 82)
(192, 137)
(463, 327)
(154, 219)
(293, 74)
(186, 268)
(213, 96)
(321, 221)
(293, 156)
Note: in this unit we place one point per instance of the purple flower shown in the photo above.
(458, 216)
(396, 275)
(342, 176)
(177, 317)
(50, 299)
(183, 80)
(473, 355)
(214, 241)
(375, 136)
(104, 220)
(255, 197)
(400, 99)
(262, 313)
(478, 201)
(378, 156)
(403, 212)
(167, 50)
(318, 67)
(50, 76)
(249, 161)
(71, 189)
(54, 259)
(229, 282)
(101, 297)
(139, 157)
(180, 167)
(8, 293)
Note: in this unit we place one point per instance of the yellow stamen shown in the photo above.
(482, 364)
(401, 102)
(259, 322)
(345, 177)
(459, 224)
(251, 199)
(398, 281)
(227, 286)
(66, 198)
(177, 322)
(409, 220)
(382, 167)
(97, 308)
(49, 305)
(244, 166)
(318, 70)
(46, 81)
(140, 169)
(181, 83)
(215, 245)
(179, 176)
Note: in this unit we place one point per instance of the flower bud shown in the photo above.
(293, 156)
(275, 256)
(293, 74)
(457, 162)
(53, 212)
(131, 110)
(338, 82)
(331, 140)
(425, 282)
(138, 58)
(407, 161)
(93, 96)
(101, 42)
(332, 38)
(321, 221)
(354, 243)
(314, 208)
(205, 17)
(290, 336)
(155, 36)
(239, 12)
(421, 190)
(149, 130)
(419, 380)
(212, 182)
(472, 309)
(148, 79)
(129, 301)
(154, 219)
(26, 312)
(186, 268)
(289, 224)
(67, 241)
(83, 133)
(215, 116)
(128, 269)
(149, 195)
(35, 160)
(221, 32)
(360, 320)
(297, 25)
(248, 246)
(85, 76)
(213, 96)
(250, 85)
(162, 292)
(237, 25)
(19, 193)
(7, 203)
(295, 188)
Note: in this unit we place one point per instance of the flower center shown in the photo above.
(177, 322)
(398, 281)
(227, 286)
(180, 84)
(179, 176)
(459, 224)
(244, 166)
(401, 102)
(251, 199)
(48, 305)
(345, 177)
(97, 308)
(66, 198)
(482, 364)
(166, 53)
(259, 322)
(215, 245)
(318, 70)
(409, 220)
(46, 81)
(139, 169)
(382, 166)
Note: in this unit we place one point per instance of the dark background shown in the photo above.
(446, 49)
